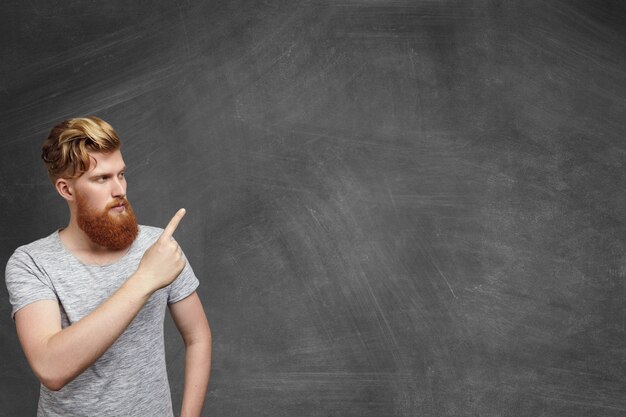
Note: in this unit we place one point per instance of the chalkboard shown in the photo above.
(396, 208)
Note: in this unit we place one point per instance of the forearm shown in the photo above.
(56, 355)
(67, 353)
(197, 371)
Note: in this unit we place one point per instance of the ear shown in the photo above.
(65, 187)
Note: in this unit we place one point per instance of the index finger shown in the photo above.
(173, 224)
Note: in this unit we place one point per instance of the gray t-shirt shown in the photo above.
(130, 378)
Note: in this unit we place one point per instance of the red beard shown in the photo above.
(113, 232)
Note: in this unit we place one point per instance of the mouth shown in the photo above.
(119, 208)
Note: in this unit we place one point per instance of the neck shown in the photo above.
(76, 240)
(84, 249)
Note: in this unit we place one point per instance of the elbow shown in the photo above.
(203, 342)
(50, 379)
(200, 337)
(209, 336)
(52, 383)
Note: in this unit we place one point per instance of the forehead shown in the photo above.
(105, 162)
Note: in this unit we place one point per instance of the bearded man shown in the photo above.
(89, 300)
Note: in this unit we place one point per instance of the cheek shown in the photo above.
(99, 200)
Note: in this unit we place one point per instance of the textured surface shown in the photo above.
(395, 208)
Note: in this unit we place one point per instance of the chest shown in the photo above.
(82, 288)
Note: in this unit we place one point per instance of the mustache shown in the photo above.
(117, 202)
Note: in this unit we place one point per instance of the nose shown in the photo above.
(118, 188)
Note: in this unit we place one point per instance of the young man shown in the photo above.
(89, 300)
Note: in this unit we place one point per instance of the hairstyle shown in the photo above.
(66, 150)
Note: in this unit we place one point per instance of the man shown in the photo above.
(89, 300)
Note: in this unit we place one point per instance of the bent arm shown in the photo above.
(191, 321)
(56, 355)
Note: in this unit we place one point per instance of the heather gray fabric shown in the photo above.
(130, 379)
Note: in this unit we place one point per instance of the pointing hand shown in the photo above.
(163, 261)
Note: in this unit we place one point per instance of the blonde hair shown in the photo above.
(66, 150)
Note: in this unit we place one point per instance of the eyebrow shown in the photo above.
(104, 173)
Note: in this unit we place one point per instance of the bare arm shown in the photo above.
(57, 355)
(193, 326)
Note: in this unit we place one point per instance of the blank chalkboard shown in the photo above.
(395, 208)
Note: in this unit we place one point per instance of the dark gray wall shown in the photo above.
(396, 208)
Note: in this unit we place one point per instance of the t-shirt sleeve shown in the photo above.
(26, 283)
(185, 284)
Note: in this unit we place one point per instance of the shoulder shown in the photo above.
(148, 234)
(150, 231)
(46, 247)
(32, 260)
